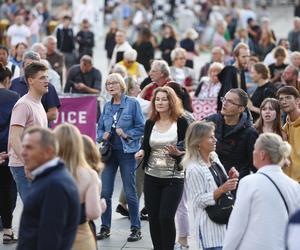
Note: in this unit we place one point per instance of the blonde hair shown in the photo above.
(116, 77)
(71, 149)
(277, 149)
(216, 66)
(92, 154)
(196, 132)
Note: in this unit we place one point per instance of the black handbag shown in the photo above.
(220, 212)
(105, 149)
(105, 146)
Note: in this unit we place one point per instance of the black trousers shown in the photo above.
(8, 195)
(162, 197)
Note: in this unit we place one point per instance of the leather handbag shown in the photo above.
(105, 146)
(220, 212)
(105, 149)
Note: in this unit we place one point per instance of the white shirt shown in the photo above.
(18, 34)
(259, 217)
(16, 72)
(45, 166)
(200, 189)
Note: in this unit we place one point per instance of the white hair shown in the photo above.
(130, 55)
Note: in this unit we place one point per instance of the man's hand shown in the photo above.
(80, 86)
(3, 157)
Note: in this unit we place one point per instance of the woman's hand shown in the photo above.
(233, 173)
(229, 185)
(106, 136)
(139, 155)
(121, 133)
(103, 205)
(173, 150)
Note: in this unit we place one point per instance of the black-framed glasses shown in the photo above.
(223, 100)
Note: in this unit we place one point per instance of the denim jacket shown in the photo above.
(131, 121)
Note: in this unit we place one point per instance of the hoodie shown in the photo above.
(292, 129)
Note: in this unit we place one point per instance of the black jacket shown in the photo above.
(51, 211)
(236, 146)
(182, 126)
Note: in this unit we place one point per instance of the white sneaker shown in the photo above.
(178, 246)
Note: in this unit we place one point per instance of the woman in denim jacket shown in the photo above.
(122, 123)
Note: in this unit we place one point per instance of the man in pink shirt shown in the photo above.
(28, 111)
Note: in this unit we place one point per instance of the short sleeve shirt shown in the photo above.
(26, 113)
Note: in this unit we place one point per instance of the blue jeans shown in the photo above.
(127, 165)
(23, 184)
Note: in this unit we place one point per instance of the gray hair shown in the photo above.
(130, 55)
(35, 47)
(295, 53)
(115, 77)
(163, 67)
(120, 69)
(218, 49)
(277, 149)
(47, 138)
(176, 52)
(31, 55)
(47, 38)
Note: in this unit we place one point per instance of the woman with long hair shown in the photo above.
(164, 176)
(261, 76)
(19, 50)
(71, 151)
(203, 168)
(168, 42)
(270, 118)
(266, 44)
(144, 47)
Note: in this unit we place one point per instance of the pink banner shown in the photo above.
(204, 107)
(80, 111)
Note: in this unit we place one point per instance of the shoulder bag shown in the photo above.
(105, 146)
(220, 212)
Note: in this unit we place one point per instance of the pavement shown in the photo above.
(281, 21)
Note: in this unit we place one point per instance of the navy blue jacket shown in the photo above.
(51, 212)
(236, 147)
(8, 100)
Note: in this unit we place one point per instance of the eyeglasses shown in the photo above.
(111, 83)
(223, 100)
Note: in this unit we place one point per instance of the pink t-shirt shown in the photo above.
(27, 112)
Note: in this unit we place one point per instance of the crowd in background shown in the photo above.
(246, 150)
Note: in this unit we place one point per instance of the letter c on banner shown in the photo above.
(72, 117)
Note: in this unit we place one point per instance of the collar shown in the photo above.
(41, 169)
(269, 168)
(122, 103)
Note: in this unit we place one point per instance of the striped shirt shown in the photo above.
(201, 186)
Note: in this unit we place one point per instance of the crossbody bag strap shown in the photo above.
(286, 206)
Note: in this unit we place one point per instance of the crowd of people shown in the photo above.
(237, 169)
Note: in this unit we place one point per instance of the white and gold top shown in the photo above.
(160, 163)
